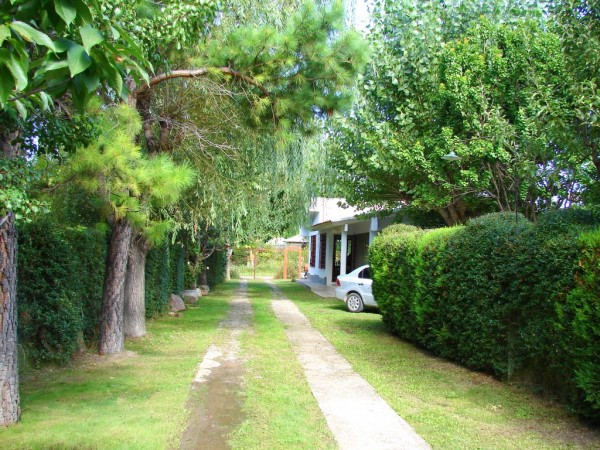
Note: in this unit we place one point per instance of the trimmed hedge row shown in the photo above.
(502, 295)
(217, 266)
(159, 279)
(59, 289)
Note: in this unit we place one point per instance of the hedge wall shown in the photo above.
(159, 279)
(217, 266)
(59, 288)
(501, 295)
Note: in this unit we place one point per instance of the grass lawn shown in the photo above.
(134, 400)
(280, 411)
(449, 406)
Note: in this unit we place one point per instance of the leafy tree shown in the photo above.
(476, 79)
(577, 22)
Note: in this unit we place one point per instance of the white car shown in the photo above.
(354, 289)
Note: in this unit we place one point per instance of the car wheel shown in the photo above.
(354, 302)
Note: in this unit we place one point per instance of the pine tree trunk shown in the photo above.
(134, 314)
(110, 339)
(9, 374)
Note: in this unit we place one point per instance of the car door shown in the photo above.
(365, 286)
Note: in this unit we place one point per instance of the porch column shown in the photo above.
(373, 229)
(329, 260)
(344, 255)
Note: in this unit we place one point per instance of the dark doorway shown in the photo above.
(337, 255)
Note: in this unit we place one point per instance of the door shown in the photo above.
(337, 255)
(365, 286)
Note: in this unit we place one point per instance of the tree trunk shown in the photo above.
(454, 214)
(110, 339)
(204, 277)
(9, 374)
(228, 266)
(134, 313)
(10, 409)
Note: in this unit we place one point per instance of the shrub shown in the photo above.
(431, 288)
(394, 278)
(158, 279)
(60, 275)
(582, 325)
(502, 295)
(216, 264)
(178, 268)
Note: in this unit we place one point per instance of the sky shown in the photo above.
(361, 14)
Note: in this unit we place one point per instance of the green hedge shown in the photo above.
(59, 288)
(159, 279)
(217, 266)
(582, 325)
(60, 279)
(501, 295)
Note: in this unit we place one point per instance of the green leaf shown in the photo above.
(6, 85)
(78, 59)
(56, 65)
(92, 81)
(62, 45)
(115, 33)
(21, 108)
(17, 68)
(90, 36)
(30, 34)
(66, 10)
(83, 11)
(4, 33)
(46, 100)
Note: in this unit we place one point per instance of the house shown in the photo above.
(338, 239)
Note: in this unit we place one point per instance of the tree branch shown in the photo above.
(196, 73)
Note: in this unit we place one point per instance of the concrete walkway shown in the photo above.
(322, 290)
(357, 415)
(215, 404)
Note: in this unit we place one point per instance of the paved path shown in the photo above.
(322, 290)
(215, 402)
(357, 415)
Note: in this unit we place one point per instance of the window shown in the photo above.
(313, 250)
(323, 250)
(365, 273)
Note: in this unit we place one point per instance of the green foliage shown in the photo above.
(307, 67)
(485, 80)
(49, 133)
(158, 279)
(215, 267)
(576, 22)
(129, 183)
(50, 47)
(583, 322)
(17, 178)
(394, 281)
(501, 295)
(178, 268)
(164, 27)
(60, 277)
